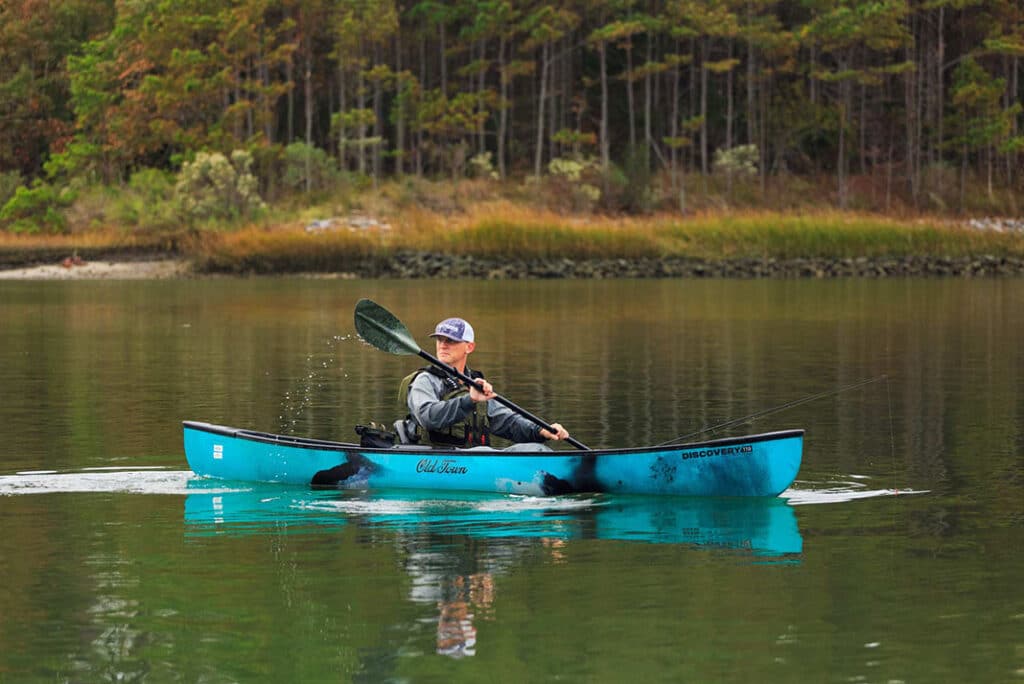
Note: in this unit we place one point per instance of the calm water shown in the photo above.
(898, 556)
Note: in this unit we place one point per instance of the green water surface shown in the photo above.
(897, 556)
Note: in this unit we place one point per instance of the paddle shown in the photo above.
(379, 327)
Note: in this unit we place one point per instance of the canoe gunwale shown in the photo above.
(328, 445)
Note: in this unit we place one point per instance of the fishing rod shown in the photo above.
(776, 409)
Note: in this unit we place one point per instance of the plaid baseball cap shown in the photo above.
(457, 329)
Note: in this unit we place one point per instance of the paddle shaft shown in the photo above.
(498, 398)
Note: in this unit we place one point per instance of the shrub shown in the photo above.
(149, 201)
(10, 181)
(573, 179)
(308, 168)
(212, 187)
(36, 209)
(481, 166)
(268, 167)
(94, 206)
(152, 185)
(741, 160)
(636, 168)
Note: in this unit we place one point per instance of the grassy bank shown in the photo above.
(473, 219)
(503, 231)
(115, 245)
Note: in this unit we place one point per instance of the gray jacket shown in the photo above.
(432, 413)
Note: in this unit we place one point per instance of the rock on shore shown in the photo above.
(428, 265)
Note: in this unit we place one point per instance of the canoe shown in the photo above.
(754, 465)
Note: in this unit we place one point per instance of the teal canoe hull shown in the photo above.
(754, 465)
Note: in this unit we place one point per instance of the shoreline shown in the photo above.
(68, 269)
(509, 242)
(427, 265)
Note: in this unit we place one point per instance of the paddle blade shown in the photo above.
(379, 327)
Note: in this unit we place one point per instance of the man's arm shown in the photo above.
(429, 410)
(510, 425)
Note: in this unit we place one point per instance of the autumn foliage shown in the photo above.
(923, 95)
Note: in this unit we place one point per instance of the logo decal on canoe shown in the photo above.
(218, 451)
(663, 470)
(441, 466)
(721, 451)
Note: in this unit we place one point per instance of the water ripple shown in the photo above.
(451, 503)
(839, 491)
(135, 480)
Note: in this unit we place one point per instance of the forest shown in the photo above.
(924, 94)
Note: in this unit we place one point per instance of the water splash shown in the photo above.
(855, 487)
(299, 401)
(123, 480)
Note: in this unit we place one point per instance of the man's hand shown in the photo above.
(476, 395)
(559, 433)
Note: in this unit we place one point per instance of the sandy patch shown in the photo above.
(102, 270)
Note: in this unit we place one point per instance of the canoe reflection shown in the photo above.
(761, 526)
(456, 545)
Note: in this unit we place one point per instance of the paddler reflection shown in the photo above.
(468, 594)
(461, 598)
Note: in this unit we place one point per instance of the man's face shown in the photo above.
(453, 352)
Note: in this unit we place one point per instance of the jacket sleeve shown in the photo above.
(427, 408)
(510, 425)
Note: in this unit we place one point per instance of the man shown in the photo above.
(454, 415)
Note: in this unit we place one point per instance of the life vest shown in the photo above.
(474, 430)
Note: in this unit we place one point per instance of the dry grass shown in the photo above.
(96, 239)
(830, 234)
(20, 249)
(477, 218)
(291, 249)
(503, 229)
(499, 229)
